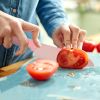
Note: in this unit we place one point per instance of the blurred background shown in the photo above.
(84, 13)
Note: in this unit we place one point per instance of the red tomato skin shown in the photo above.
(42, 75)
(98, 47)
(81, 63)
(84, 59)
(88, 46)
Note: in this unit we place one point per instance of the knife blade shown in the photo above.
(44, 51)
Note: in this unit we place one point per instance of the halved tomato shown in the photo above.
(42, 69)
(72, 58)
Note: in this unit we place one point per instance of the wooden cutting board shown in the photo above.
(7, 70)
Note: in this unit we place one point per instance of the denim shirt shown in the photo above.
(50, 13)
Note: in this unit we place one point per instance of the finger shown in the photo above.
(67, 37)
(75, 35)
(5, 30)
(5, 35)
(7, 42)
(58, 39)
(35, 34)
(27, 26)
(17, 29)
(34, 29)
(58, 43)
(1, 33)
(82, 34)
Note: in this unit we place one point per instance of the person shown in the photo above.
(18, 18)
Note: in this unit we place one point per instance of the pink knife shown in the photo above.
(45, 51)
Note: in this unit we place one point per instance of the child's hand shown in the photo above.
(69, 36)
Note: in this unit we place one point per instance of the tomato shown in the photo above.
(42, 69)
(72, 58)
(88, 46)
(98, 47)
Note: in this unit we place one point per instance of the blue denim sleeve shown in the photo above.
(51, 14)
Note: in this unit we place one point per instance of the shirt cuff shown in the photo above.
(54, 24)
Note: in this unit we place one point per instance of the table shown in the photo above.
(64, 85)
(7, 70)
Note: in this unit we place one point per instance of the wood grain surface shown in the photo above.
(7, 70)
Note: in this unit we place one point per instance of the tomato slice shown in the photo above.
(72, 58)
(42, 69)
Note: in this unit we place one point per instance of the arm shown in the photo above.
(55, 21)
(51, 14)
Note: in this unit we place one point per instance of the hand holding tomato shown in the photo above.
(42, 69)
(70, 36)
(72, 58)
